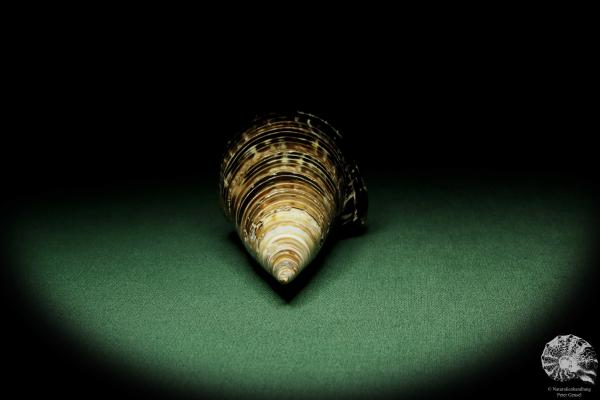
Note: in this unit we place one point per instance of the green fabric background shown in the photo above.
(448, 275)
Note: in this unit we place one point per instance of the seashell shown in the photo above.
(285, 183)
(568, 357)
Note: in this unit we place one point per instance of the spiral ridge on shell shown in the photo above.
(285, 183)
(569, 357)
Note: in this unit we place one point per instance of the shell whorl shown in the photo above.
(284, 182)
(569, 357)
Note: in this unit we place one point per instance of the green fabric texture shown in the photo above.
(446, 276)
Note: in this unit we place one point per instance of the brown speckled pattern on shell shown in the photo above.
(284, 182)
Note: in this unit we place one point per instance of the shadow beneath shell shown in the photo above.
(290, 291)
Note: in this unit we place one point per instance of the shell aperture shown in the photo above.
(568, 357)
(285, 183)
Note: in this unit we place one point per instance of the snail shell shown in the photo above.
(568, 357)
(285, 183)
